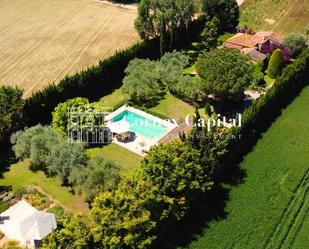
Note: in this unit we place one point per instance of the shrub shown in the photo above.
(276, 64)
(296, 42)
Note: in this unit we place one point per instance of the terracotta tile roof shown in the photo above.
(268, 35)
(244, 40)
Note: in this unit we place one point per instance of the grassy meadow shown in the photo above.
(269, 208)
(42, 41)
(282, 16)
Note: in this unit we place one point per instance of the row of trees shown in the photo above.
(164, 18)
(50, 152)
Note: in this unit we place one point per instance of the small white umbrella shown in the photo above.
(119, 127)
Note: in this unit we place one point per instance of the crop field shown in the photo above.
(270, 208)
(42, 41)
(282, 16)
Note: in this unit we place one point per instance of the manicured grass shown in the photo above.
(126, 159)
(283, 16)
(173, 108)
(113, 99)
(270, 208)
(20, 175)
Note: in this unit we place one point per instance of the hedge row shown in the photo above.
(99, 80)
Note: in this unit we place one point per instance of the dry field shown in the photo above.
(42, 41)
(282, 16)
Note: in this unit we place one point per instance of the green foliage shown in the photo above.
(121, 219)
(171, 67)
(37, 199)
(35, 142)
(208, 109)
(64, 157)
(162, 18)
(296, 42)
(12, 244)
(174, 168)
(147, 80)
(210, 33)
(4, 205)
(60, 114)
(75, 235)
(276, 64)
(225, 73)
(227, 11)
(143, 82)
(97, 177)
(189, 88)
(48, 151)
(11, 112)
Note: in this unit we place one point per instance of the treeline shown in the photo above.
(98, 80)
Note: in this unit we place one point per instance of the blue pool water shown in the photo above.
(141, 125)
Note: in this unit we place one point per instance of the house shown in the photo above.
(24, 223)
(255, 45)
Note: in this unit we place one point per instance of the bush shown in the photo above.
(296, 42)
(37, 199)
(276, 64)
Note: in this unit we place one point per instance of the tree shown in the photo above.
(143, 82)
(76, 234)
(60, 114)
(189, 88)
(227, 11)
(63, 158)
(225, 73)
(275, 64)
(175, 171)
(171, 68)
(121, 219)
(211, 33)
(161, 17)
(296, 42)
(35, 143)
(97, 177)
(11, 112)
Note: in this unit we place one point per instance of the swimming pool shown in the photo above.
(141, 125)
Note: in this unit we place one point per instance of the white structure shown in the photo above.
(24, 223)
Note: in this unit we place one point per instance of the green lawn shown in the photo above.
(126, 159)
(283, 16)
(113, 99)
(174, 108)
(20, 175)
(270, 208)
